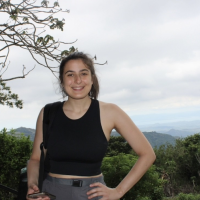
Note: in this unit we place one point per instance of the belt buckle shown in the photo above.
(77, 183)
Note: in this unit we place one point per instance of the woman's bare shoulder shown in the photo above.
(107, 113)
(110, 106)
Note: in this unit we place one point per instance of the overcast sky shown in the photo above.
(153, 53)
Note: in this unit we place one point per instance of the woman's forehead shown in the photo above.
(76, 65)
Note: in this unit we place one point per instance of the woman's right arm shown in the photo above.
(34, 162)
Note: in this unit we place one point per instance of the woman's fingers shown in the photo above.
(46, 198)
(32, 189)
(97, 194)
(97, 191)
(102, 191)
(98, 187)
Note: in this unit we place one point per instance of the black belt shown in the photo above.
(72, 182)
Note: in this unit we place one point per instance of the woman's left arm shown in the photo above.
(125, 126)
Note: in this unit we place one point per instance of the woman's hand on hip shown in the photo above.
(103, 191)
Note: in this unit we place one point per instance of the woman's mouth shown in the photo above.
(78, 88)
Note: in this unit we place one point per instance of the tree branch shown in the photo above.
(23, 30)
(23, 76)
(101, 63)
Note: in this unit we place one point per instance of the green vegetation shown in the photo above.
(118, 145)
(179, 165)
(182, 196)
(8, 98)
(14, 154)
(174, 175)
(115, 168)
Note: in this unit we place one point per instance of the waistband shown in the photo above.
(79, 182)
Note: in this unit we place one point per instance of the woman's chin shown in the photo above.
(78, 96)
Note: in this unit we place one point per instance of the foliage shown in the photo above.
(179, 166)
(192, 151)
(117, 145)
(183, 196)
(25, 25)
(8, 98)
(14, 154)
(116, 168)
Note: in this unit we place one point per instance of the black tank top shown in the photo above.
(77, 147)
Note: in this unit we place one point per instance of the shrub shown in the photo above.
(115, 168)
(182, 196)
(15, 150)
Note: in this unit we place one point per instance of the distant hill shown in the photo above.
(178, 129)
(158, 139)
(154, 138)
(179, 133)
(27, 132)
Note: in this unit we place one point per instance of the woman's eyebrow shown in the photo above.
(69, 71)
(74, 71)
(84, 70)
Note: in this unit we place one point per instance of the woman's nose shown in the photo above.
(78, 79)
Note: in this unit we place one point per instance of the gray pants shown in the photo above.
(63, 189)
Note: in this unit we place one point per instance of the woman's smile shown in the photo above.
(78, 88)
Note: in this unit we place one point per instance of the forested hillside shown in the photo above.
(155, 139)
(27, 132)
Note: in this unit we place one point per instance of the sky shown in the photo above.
(152, 51)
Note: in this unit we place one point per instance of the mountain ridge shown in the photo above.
(155, 139)
(176, 129)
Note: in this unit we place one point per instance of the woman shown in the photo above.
(79, 137)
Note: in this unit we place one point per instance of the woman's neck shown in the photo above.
(77, 105)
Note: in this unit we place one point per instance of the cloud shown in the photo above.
(152, 52)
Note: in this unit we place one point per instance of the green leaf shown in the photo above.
(45, 3)
(56, 4)
(8, 98)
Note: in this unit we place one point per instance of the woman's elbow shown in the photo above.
(154, 157)
(150, 156)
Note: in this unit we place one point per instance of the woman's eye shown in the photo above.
(84, 74)
(69, 74)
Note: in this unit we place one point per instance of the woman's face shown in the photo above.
(77, 79)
